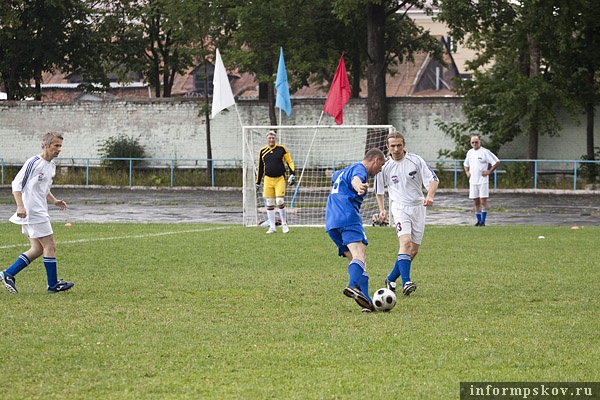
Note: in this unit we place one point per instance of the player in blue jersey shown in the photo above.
(31, 190)
(344, 226)
(405, 174)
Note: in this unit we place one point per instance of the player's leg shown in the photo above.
(269, 195)
(411, 247)
(403, 224)
(355, 240)
(49, 252)
(474, 195)
(483, 196)
(8, 276)
(280, 203)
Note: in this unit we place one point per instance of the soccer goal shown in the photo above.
(317, 151)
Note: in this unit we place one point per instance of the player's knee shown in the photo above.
(270, 203)
(280, 202)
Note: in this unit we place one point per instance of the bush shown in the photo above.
(121, 147)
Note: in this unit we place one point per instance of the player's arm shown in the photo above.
(380, 196)
(261, 168)
(433, 185)
(358, 185)
(493, 168)
(21, 212)
(61, 204)
(288, 160)
(381, 204)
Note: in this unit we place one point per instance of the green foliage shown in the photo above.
(590, 171)
(193, 311)
(516, 175)
(121, 147)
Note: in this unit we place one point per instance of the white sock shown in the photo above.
(271, 215)
(283, 215)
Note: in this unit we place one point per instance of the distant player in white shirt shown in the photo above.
(479, 164)
(31, 190)
(405, 174)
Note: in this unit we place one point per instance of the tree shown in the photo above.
(157, 38)
(38, 36)
(515, 90)
(306, 29)
(392, 37)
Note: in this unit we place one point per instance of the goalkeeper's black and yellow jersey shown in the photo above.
(271, 162)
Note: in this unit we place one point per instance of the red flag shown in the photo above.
(339, 93)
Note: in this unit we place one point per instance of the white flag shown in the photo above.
(222, 94)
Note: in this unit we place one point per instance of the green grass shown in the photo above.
(185, 311)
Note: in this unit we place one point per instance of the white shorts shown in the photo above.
(35, 231)
(409, 220)
(481, 190)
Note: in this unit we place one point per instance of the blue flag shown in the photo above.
(281, 85)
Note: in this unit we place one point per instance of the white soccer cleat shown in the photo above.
(271, 230)
(285, 228)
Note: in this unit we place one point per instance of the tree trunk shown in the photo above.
(376, 98)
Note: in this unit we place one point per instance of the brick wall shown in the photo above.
(172, 128)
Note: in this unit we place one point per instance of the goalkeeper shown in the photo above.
(271, 164)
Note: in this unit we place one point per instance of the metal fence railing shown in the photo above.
(512, 173)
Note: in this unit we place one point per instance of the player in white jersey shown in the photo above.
(31, 190)
(477, 167)
(405, 174)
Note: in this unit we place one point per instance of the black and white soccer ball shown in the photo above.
(384, 299)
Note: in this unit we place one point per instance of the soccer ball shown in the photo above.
(384, 299)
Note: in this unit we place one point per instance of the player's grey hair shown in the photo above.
(49, 137)
(271, 133)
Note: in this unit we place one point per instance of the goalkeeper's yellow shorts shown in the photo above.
(274, 187)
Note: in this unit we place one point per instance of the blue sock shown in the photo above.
(478, 215)
(395, 272)
(359, 277)
(18, 265)
(404, 267)
(51, 274)
(483, 215)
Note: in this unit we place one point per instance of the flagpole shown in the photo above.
(306, 160)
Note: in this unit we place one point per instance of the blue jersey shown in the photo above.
(343, 203)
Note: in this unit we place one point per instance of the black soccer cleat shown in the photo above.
(9, 281)
(359, 297)
(61, 286)
(408, 288)
(390, 285)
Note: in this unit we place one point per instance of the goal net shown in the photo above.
(317, 151)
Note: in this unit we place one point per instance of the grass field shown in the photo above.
(224, 312)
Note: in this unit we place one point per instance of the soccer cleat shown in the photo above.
(359, 297)
(482, 224)
(9, 281)
(408, 288)
(271, 230)
(367, 310)
(390, 285)
(285, 228)
(61, 286)
(478, 224)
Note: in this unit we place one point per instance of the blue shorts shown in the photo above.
(348, 234)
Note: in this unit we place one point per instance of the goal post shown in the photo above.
(317, 151)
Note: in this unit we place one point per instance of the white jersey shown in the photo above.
(34, 181)
(478, 161)
(405, 179)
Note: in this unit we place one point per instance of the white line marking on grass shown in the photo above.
(147, 235)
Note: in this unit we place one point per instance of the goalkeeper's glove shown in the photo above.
(292, 179)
